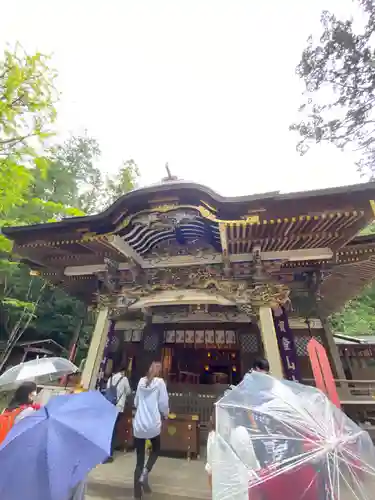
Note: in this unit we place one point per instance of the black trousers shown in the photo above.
(140, 445)
(114, 435)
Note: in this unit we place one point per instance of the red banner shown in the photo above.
(322, 371)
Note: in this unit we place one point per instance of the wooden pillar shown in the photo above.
(333, 352)
(96, 350)
(269, 339)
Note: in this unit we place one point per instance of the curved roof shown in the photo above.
(185, 221)
(281, 204)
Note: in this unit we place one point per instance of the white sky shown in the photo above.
(207, 85)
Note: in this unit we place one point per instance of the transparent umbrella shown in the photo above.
(40, 371)
(280, 439)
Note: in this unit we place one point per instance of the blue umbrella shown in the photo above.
(48, 453)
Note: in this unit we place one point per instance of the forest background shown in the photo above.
(42, 180)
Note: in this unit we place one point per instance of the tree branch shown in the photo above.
(16, 140)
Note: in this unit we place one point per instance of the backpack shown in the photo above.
(111, 392)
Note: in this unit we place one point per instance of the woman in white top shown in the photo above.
(152, 404)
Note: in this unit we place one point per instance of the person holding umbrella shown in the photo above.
(261, 365)
(24, 400)
(79, 491)
(21, 405)
(41, 371)
(49, 454)
(329, 456)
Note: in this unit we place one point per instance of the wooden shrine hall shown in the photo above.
(207, 283)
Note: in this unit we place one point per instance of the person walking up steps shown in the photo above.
(152, 405)
(117, 391)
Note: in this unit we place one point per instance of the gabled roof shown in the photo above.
(34, 343)
(189, 216)
(273, 204)
(354, 270)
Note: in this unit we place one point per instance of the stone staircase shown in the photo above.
(172, 479)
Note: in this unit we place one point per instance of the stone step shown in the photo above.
(171, 479)
(105, 491)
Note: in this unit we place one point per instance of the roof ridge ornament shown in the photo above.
(170, 177)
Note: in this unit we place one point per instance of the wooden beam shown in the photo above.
(84, 270)
(127, 250)
(288, 255)
(187, 296)
(189, 260)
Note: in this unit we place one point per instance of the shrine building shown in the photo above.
(207, 283)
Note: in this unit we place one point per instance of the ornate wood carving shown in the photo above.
(163, 220)
(198, 248)
(108, 280)
(245, 292)
(185, 315)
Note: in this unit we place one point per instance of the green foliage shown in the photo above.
(27, 112)
(338, 70)
(55, 317)
(339, 74)
(73, 179)
(124, 181)
(358, 315)
(34, 188)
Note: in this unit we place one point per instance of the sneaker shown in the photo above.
(137, 492)
(143, 480)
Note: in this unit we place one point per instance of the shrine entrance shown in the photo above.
(205, 366)
(206, 283)
(199, 355)
(205, 352)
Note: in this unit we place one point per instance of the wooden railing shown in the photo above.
(358, 401)
(195, 399)
(357, 397)
(352, 391)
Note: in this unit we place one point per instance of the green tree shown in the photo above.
(338, 70)
(27, 113)
(39, 184)
(357, 316)
(28, 190)
(35, 310)
(73, 178)
(125, 180)
(29, 307)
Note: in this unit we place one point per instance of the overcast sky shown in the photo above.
(206, 85)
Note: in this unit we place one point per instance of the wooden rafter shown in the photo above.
(126, 249)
